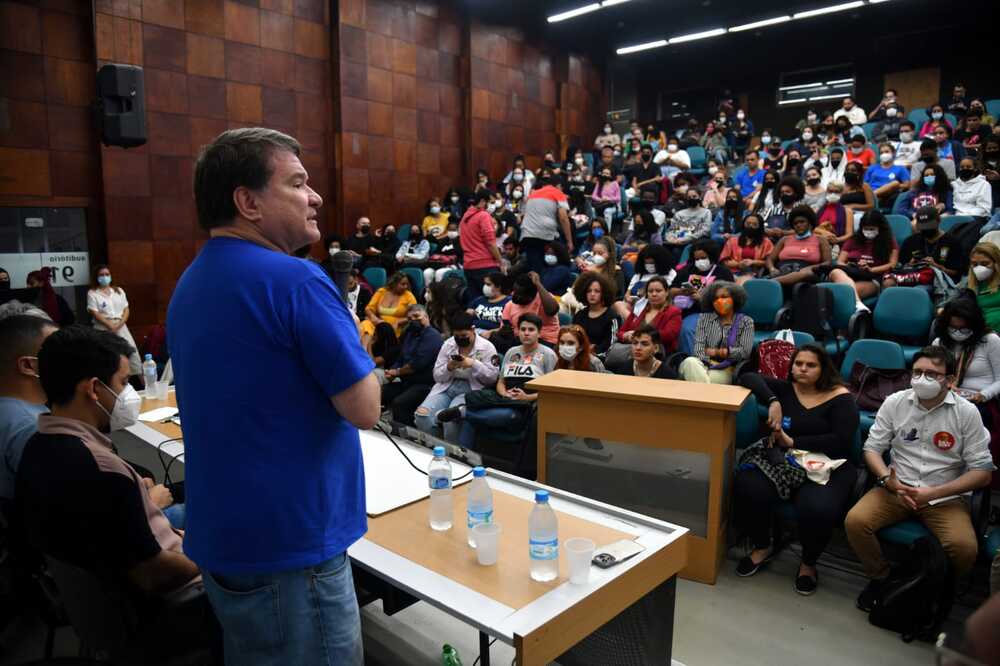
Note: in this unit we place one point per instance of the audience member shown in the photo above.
(657, 312)
(546, 212)
(607, 139)
(728, 220)
(795, 257)
(810, 411)
(359, 294)
(644, 348)
(575, 351)
(54, 305)
(487, 308)
(363, 245)
(716, 189)
(887, 179)
(859, 151)
(854, 113)
(415, 249)
(556, 275)
(530, 296)
(858, 196)
(939, 450)
(701, 269)
(597, 318)
(833, 172)
(947, 148)
(866, 257)
(984, 281)
(723, 337)
(407, 380)
(790, 193)
(932, 188)
(935, 119)
(477, 235)
(108, 305)
(928, 247)
(907, 147)
(749, 177)
(958, 104)
(688, 225)
(929, 156)
(833, 221)
(606, 197)
(972, 133)
(673, 160)
(814, 194)
(972, 193)
(766, 198)
(383, 317)
(745, 254)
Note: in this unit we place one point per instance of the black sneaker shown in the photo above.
(869, 595)
(746, 567)
(805, 585)
(449, 414)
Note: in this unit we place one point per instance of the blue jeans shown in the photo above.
(304, 616)
(688, 326)
(453, 397)
(498, 418)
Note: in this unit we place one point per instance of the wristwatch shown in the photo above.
(881, 481)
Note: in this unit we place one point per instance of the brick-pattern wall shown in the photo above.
(209, 65)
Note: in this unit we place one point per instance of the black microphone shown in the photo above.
(343, 263)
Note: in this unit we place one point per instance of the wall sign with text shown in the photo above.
(69, 269)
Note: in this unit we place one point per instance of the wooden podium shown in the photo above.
(658, 447)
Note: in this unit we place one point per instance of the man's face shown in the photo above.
(364, 225)
(510, 251)
(352, 283)
(958, 92)
(972, 123)
(287, 205)
(931, 369)
(528, 333)
(848, 104)
(108, 395)
(418, 317)
(752, 160)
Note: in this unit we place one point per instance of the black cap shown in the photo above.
(927, 218)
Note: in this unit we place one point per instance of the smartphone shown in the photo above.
(458, 358)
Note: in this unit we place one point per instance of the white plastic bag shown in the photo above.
(818, 466)
(786, 335)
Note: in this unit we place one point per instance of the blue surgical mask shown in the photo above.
(104, 280)
(551, 259)
(598, 232)
(805, 235)
(929, 181)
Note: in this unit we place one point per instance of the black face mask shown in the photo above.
(415, 238)
(770, 184)
(732, 203)
(463, 340)
(929, 233)
(365, 230)
(834, 163)
(852, 178)
(646, 157)
(966, 174)
(788, 199)
(389, 235)
(992, 154)
(522, 298)
(647, 204)
(774, 150)
(4, 285)
(794, 161)
(754, 234)
(813, 181)
(928, 159)
(693, 203)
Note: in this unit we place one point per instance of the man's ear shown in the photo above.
(88, 388)
(247, 204)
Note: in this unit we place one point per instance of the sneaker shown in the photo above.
(746, 567)
(869, 595)
(805, 585)
(449, 414)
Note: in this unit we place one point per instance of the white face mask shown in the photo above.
(551, 259)
(712, 170)
(334, 249)
(682, 188)
(832, 197)
(925, 388)
(578, 161)
(936, 115)
(607, 129)
(487, 291)
(959, 334)
(490, 208)
(454, 199)
(765, 139)
(905, 137)
(702, 264)
(869, 233)
(885, 157)
(435, 210)
(891, 113)
(617, 153)
(857, 150)
(740, 115)
(519, 177)
(672, 148)
(517, 194)
(452, 234)
(650, 268)
(125, 413)
(806, 136)
(567, 352)
(982, 273)
(598, 260)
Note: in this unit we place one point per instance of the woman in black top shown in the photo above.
(597, 317)
(811, 411)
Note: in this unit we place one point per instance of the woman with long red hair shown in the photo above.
(574, 351)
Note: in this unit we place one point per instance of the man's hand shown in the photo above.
(916, 497)
(976, 397)
(467, 362)
(518, 394)
(391, 373)
(161, 496)
(627, 336)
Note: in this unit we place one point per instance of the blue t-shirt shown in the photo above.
(746, 182)
(260, 341)
(488, 316)
(18, 422)
(878, 176)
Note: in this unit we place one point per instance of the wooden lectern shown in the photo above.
(658, 447)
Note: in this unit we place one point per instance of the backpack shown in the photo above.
(916, 598)
(774, 358)
(964, 236)
(811, 312)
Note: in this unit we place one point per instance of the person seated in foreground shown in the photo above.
(119, 529)
(657, 312)
(939, 452)
(597, 317)
(408, 380)
(795, 257)
(646, 346)
(531, 297)
(575, 351)
(487, 308)
(811, 411)
(466, 362)
(723, 337)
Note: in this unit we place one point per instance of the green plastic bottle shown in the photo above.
(449, 656)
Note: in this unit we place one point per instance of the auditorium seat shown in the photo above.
(846, 321)
(765, 301)
(905, 313)
(403, 233)
(949, 221)
(699, 160)
(901, 227)
(375, 276)
(882, 354)
(918, 117)
(416, 276)
(993, 107)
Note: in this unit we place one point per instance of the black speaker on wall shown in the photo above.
(121, 106)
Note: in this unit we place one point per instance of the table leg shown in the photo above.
(484, 649)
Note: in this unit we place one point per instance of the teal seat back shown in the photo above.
(901, 227)
(949, 221)
(457, 273)
(564, 319)
(903, 311)
(698, 157)
(951, 118)
(843, 304)
(685, 254)
(801, 338)
(375, 276)
(868, 128)
(764, 299)
(403, 233)
(883, 354)
(993, 109)
(918, 117)
(747, 423)
(416, 279)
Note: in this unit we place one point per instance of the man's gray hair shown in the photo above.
(236, 158)
(416, 307)
(12, 308)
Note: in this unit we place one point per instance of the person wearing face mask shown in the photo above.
(890, 100)
(688, 225)
(363, 244)
(454, 204)
(645, 174)
(771, 153)
(929, 156)
(449, 254)
(487, 308)
(644, 232)
(989, 166)
(887, 179)
(574, 351)
(546, 216)
(748, 177)
(814, 194)
(858, 197)
(932, 188)
(608, 138)
(714, 142)
(907, 146)
(958, 102)
(795, 257)
(84, 375)
(888, 127)
(792, 165)
(529, 296)
(984, 281)
(865, 257)
(811, 120)
(22, 399)
(478, 242)
(745, 254)
(788, 195)
(333, 243)
(597, 317)
(716, 188)
(928, 247)
(435, 221)
(858, 151)
(519, 174)
(655, 137)
(971, 193)
(108, 305)
(963, 331)
(556, 276)
(740, 130)
(658, 313)
(728, 221)
(415, 249)
(723, 337)
(935, 119)
(939, 451)
(689, 284)
(466, 362)
(765, 198)
(833, 171)
(851, 111)
(606, 197)
(673, 159)
(406, 381)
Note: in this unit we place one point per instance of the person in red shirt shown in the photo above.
(658, 313)
(477, 234)
(859, 152)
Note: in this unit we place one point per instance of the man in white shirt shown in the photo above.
(673, 160)
(940, 451)
(854, 113)
(908, 146)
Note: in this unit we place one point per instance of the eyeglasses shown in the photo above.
(929, 374)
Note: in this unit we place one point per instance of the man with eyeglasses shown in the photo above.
(940, 451)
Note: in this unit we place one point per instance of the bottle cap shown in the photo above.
(541, 496)
(439, 452)
(478, 472)
(149, 357)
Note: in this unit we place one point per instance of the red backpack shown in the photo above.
(774, 358)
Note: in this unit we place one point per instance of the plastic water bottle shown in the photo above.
(543, 539)
(480, 505)
(439, 480)
(149, 375)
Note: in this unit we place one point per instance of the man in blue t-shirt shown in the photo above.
(272, 386)
(21, 396)
(749, 177)
(886, 178)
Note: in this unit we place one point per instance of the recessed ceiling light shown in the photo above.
(698, 35)
(828, 10)
(760, 24)
(642, 47)
(586, 9)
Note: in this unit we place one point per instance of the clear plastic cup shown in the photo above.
(487, 538)
(161, 390)
(579, 553)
